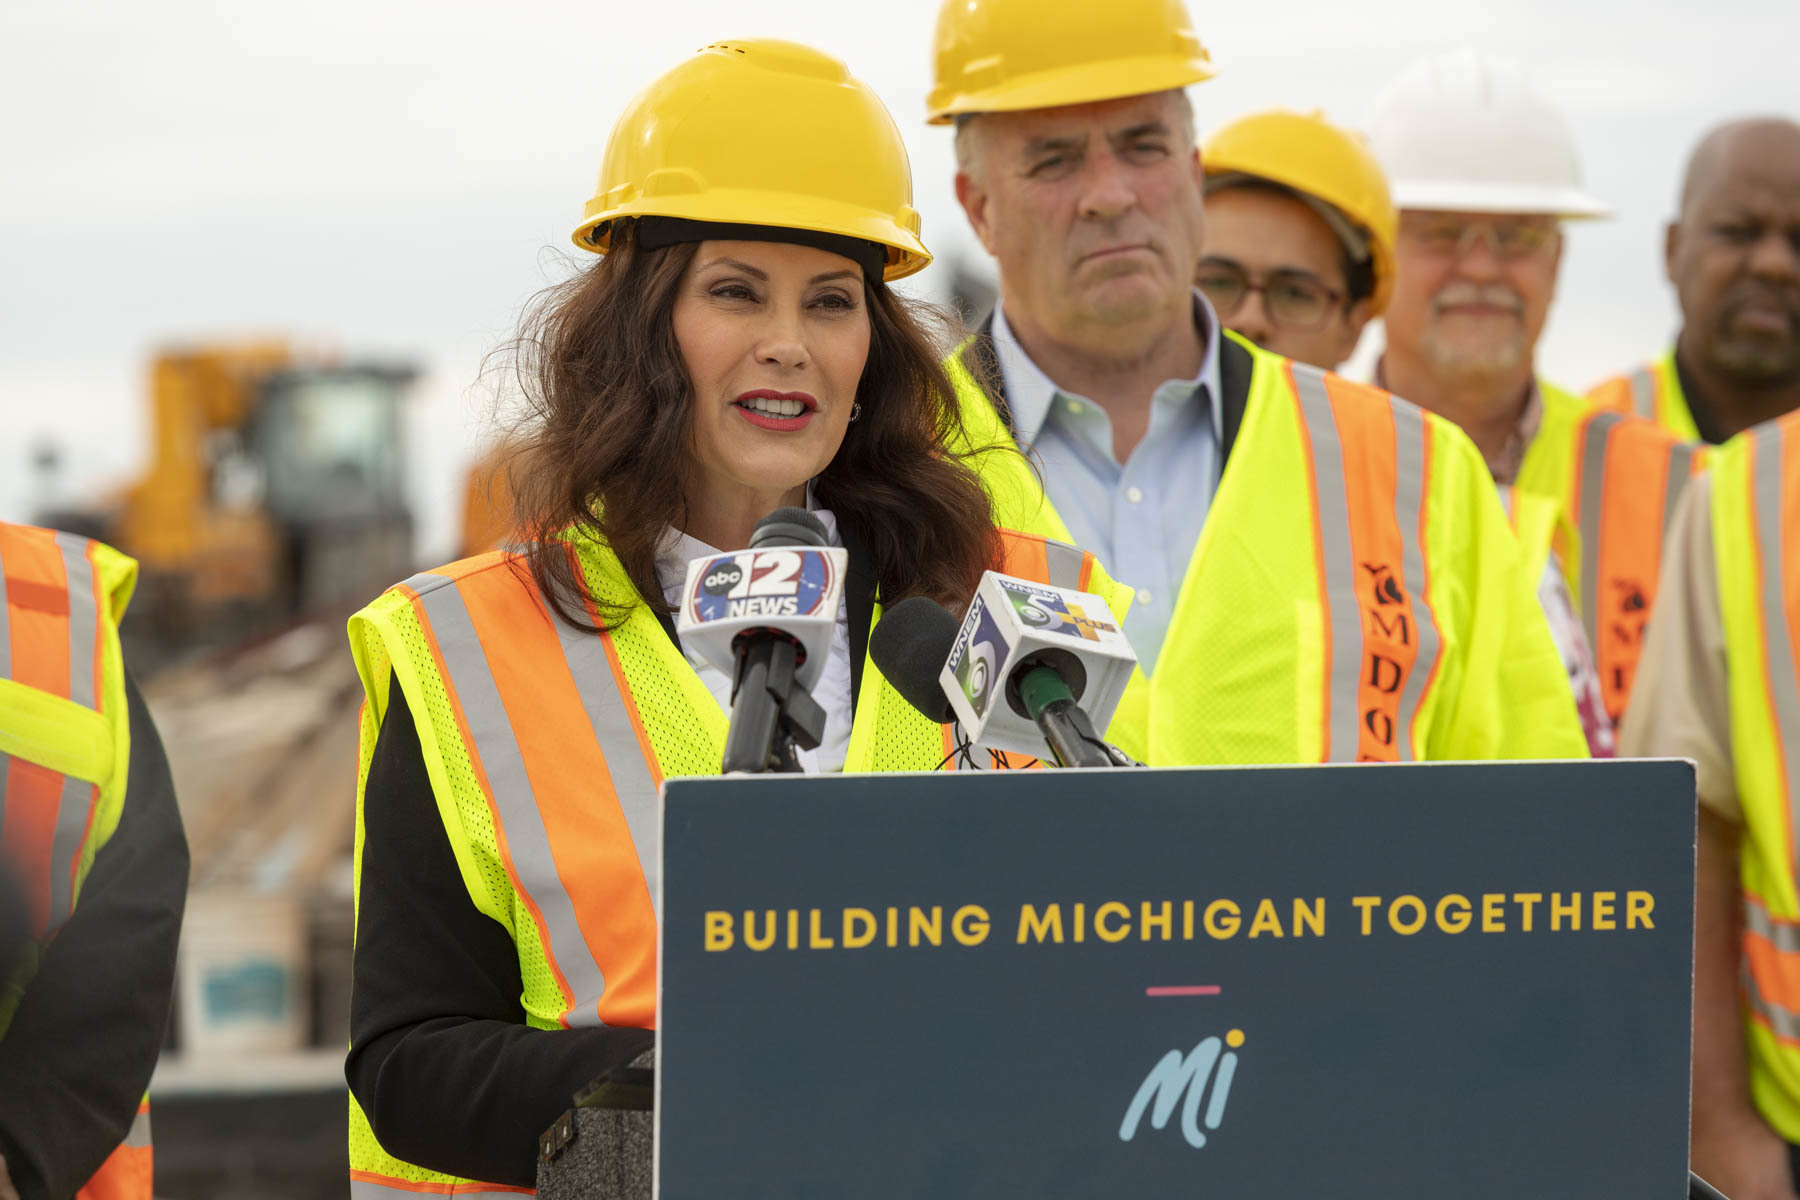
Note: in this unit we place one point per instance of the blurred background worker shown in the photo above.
(1485, 172)
(1078, 170)
(93, 843)
(1718, 685)
(1298, 252)
(1733, 255)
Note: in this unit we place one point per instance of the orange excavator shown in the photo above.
(274, 490)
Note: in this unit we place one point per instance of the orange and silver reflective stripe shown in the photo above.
(1767, 941)
(138, 1136)
(51, 603)
(1771, 975)
(1413, 449)
(1333, 562)
(368, 1185)
(494, 746)
(1590, 501)
(1775, 509)
(565, 836)
(1643, 392)
(1622, 536)
(1382, 654)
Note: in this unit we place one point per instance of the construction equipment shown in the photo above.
(274, 490)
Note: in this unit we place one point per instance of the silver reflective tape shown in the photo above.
(138, 1138)
(1343, 673)
(497, 748)
(1778, 649)
(363, 1189)
(633, 781)
(84, 618)
(1784, 1023)
(1757, 920)
(1681, 468)
(73, 810)
(1409, 511)
(5, 626)
(1643, 393)
(5, 770)
(1593, 503)
(1065, 564)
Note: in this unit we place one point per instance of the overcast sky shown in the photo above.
(397, 179)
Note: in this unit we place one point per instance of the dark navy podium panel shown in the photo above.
(1468, 980)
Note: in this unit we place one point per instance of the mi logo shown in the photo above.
(1183, 1079)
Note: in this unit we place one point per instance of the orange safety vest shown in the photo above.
(1653, 392)
(546, 748)
(1618, 478)
(64, 746)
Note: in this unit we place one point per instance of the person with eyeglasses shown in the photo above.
(1322, 572)
(1298, 252)
(1485, 173)
(1733, 254)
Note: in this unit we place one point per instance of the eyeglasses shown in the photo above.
(1453, 237)
(1293, 299)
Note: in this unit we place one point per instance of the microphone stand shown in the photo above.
(771, 713)
(1067, 729)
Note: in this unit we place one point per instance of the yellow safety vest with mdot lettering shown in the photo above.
(1355, 594)
(65, 745)
(1756, 544)
(546, 748)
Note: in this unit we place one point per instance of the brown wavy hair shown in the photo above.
(606, 440)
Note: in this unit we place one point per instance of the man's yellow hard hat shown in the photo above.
(1007, 55)
(1321, 161)
(761, 132)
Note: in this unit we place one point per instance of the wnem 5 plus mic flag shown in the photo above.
(1013, 623)
(795, 590)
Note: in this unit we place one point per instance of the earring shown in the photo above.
(856, 410)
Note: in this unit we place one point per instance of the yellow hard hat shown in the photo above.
(1007, 55)
(1318, 160)
(761, 132)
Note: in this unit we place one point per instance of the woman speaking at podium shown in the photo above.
(736, 348)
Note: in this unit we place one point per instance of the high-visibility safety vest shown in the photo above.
(1618, 479)
(547, 747)
(1756, 545)
(65, 742)
(1653, 392)
(1355, 594)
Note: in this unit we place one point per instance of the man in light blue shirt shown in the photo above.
(1138, 507)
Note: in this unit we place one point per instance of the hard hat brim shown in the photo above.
(1427, 195)
(908, 254)
(1113, 79)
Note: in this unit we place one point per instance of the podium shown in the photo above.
(1357, 981)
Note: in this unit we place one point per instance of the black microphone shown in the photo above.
(914, 639)
(771, 710)
(910, 644)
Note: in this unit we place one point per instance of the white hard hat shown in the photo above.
(1466, 133)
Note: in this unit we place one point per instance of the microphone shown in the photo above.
(910, 645)
(1035, 646)
(765, 616)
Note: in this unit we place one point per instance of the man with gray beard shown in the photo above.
(1485, 173)
(1733, 255)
